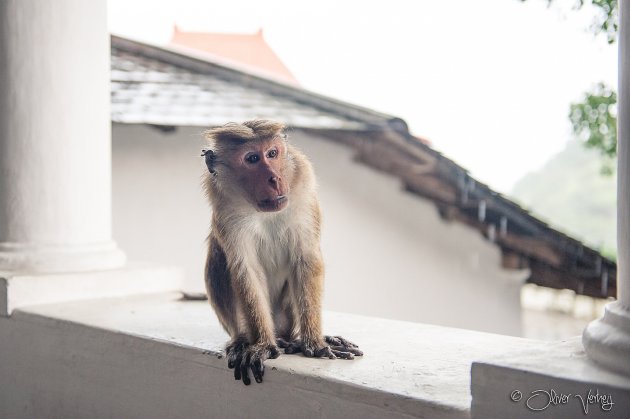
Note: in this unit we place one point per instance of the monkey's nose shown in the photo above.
(274, 180)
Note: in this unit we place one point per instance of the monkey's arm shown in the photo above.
(256, 313)
(308, 287)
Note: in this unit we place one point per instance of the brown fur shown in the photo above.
(264, 270)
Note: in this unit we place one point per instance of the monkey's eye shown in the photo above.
(252, 158)
(272, 154)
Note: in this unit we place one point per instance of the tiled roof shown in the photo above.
(160, 86)
(248, 49)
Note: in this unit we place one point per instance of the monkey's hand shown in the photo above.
(252, 357)
(339, 348)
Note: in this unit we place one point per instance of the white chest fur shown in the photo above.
(272, 235)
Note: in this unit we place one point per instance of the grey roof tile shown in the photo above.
(147, 90)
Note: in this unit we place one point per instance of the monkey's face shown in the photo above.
(261, 169)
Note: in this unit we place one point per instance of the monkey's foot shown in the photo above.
(339, 348)
(290, 346)
(253, 357)
(337, 342)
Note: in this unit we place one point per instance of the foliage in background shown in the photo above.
(606, 20)
(595, 119)
(595, 123)
(567, 189)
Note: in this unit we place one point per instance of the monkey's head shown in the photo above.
(252, 161)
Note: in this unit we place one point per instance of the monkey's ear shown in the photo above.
(210, 157)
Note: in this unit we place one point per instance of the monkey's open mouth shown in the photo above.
(273, 204)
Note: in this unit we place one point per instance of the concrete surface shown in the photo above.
(552, 380)
(157, 356)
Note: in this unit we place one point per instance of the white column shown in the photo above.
(607, 340)
(55, 140)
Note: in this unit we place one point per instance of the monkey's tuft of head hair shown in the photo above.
(235, 133)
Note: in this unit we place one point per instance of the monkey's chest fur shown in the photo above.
(272, 240)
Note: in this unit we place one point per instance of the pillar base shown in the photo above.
(607, 340)
(23, 290)
(26, 258)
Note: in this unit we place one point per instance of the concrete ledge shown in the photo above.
(555, 380)
(23, 289)
(157, 356)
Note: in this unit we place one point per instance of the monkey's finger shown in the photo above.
(347, 343)
(258, 369)
(273, 352)
(237, 366)
(233, 358)
(353, 351)
(244, 367)
(339, 341)
(245, 373)
(325, 352)
(342, 355)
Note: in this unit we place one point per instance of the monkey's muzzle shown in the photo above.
(273, 204)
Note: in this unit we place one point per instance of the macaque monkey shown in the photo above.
(264, 271)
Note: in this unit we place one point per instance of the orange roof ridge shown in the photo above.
(249, 49)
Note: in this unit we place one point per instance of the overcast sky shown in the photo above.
(488, 82)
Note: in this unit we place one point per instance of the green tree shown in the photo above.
(595, 123)
(594, 120)
(606, 20)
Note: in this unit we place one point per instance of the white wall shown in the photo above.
(159, 211)
(387, 252)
